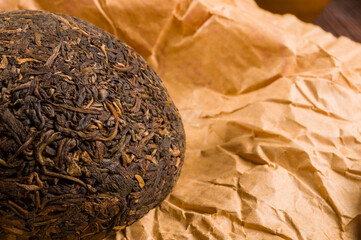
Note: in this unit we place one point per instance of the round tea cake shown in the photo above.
(89, 137)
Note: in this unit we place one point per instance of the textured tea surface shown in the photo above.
(89, 138)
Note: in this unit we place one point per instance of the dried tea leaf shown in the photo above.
(86, 158)
(4, 62)
(152, 159)
(74, 170)
(24, 60)
(140, 180)
(126, 159)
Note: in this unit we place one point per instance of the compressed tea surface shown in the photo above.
(89, 137)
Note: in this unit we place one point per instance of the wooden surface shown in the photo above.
(306, 10)
(342, 17)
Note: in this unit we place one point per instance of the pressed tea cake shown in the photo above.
(89, 137)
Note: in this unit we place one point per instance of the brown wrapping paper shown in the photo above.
(272, 112)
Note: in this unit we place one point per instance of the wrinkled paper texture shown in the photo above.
(272, 112)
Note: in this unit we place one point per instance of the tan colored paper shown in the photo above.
(272, 112)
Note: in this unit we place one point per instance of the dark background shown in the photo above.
(340, 17)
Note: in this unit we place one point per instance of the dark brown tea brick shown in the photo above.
(89, 137)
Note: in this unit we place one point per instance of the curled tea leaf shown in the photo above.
(140, 180)
(4, 63)
(24, 60)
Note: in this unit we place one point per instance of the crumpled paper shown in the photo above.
(272, 112)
